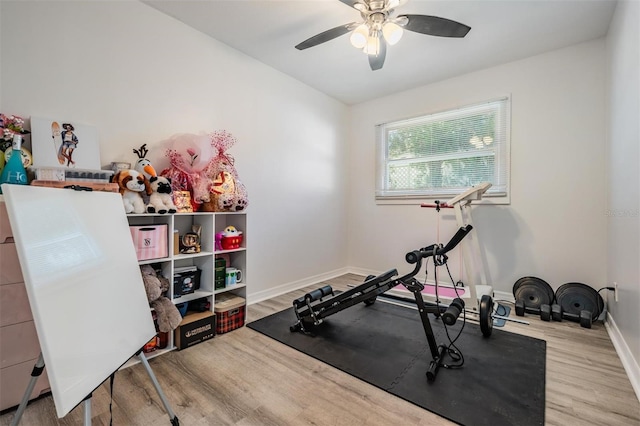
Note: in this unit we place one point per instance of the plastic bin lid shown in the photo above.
(225, 302)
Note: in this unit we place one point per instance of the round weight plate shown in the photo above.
(533, 295)
(536, 282)
(545, 312)
(576, 297)
(486, 320)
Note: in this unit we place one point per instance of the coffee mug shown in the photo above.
(232, 276)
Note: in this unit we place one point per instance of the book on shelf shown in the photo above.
(184, 269)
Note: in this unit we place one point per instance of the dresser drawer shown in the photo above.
(17, 343)
(10, 271)
(14, 381)
(14, 304)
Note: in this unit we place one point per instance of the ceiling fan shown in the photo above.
(378, 28)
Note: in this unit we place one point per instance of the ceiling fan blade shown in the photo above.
(325, 36)
(377, 61)
(435, 26)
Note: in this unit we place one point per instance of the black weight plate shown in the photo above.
(486, 309)
(576, 297)
(533, 295)
(536, 282)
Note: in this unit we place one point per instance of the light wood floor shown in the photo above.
(245, 378)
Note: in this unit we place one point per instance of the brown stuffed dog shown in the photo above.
(132, 184)
(155, 285)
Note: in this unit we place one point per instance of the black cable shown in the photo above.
(602, 300)
(452, 350)
(112, 379)
(502, 309)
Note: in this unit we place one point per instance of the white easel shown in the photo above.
(77, 259)
(86, 403)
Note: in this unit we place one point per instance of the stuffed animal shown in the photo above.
(241, 200)
(228, 194)
(223, 191)
(161, 199)
(144, 166)
(132, 185)
(166, 312)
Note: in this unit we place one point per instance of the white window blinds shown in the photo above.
(445, 153)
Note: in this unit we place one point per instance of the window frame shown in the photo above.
(503, 158)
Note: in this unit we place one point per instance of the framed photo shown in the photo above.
(62, 143)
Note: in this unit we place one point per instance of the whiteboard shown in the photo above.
(84, 285)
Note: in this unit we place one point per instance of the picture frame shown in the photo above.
(64, 143)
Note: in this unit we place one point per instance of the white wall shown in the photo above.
(554, 227)
(623, 184)
(140, 76)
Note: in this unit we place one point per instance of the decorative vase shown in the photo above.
(14, 171)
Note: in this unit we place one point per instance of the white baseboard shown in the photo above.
(363, 272)
(293, 285)
(503, 296)
(629, 363)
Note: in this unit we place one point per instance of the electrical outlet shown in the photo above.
(615, 291)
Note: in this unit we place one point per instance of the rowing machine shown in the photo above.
(312, 308)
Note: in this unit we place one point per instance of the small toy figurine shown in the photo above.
(231, 238)
(218, 237)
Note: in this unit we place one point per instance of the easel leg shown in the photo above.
(87, 411)
(172, 416)
(35, 373)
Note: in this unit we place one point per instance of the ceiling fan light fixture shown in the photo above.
(378, 28)
(373, 44)
(359, 36)
(392, 33)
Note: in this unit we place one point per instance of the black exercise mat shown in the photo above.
(501, 383)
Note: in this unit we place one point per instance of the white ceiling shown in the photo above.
(501, 31)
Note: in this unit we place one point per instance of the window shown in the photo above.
(445, 153)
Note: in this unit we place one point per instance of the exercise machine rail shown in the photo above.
(321, 303)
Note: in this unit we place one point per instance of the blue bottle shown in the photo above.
(14, 171)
